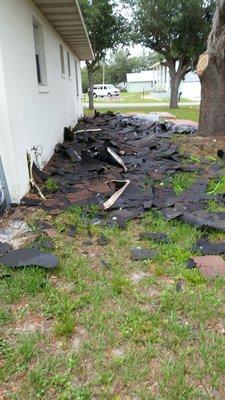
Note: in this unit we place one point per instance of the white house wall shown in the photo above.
(143, 81)
(31, 117)
(139, 87)
(7, 146)
(191, 90)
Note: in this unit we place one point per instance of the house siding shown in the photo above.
(138, 87)
(143, 81)
(31, 118)
(191, 90)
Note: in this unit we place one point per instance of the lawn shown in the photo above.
(106, 327)
(131, 98)
(183, 112)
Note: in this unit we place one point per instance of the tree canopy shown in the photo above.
(118, 65)
(176, 29)
(106, 27)
(105, 24)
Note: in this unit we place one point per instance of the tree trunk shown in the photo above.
(175, 84)
(211, 70)
(175, 77)
(91, 84)
(212, 109)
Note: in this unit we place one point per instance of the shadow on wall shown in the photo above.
(4, 192)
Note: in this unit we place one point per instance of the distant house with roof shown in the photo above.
(157, 81)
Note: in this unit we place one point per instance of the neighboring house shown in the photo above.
(41, 45)
(157, 81)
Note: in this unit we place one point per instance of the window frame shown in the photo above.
(62, 60)
(77, 79)
(39, 53)
(68, 64)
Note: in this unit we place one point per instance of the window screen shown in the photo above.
(77, 81)
(68, 63)
(39, 53)
(62, 59)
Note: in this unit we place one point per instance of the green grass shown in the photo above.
(126, 97)
(182, 181)
(216, 186)
(51, 185)
(183, 112)
(87, 331)
(98, 333)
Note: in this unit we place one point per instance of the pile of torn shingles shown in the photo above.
(119, 163)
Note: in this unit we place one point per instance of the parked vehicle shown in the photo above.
(105, 90)
(122, 86)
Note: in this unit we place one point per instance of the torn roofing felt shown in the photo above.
(206, 248)
(125, 165)
(210, 266)
(26, 257)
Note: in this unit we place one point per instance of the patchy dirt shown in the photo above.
(182, 121)
(21, 306)
(16, 232)
(200, 146)
(217, 325)
(138, 276)
(62, 284)
(32, 324)
(118, 352)
(78, 338)
(153, 291)
(12, 386)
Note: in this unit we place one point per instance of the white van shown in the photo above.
(105, 90)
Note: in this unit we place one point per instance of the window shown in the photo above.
(77, 81)
(39, 53)
(68, 64)
(62, 60)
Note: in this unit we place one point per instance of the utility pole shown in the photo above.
(103, 75)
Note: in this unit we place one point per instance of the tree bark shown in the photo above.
(176, 76)
(211, 71)
(212, 109)
(90, 84)
(175, 84)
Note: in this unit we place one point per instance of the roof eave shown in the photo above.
(66, 18)
(86, 32)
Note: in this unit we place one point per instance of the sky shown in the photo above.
(137, 50)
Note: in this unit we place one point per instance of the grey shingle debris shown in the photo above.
(142, 254)
(27, 257)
